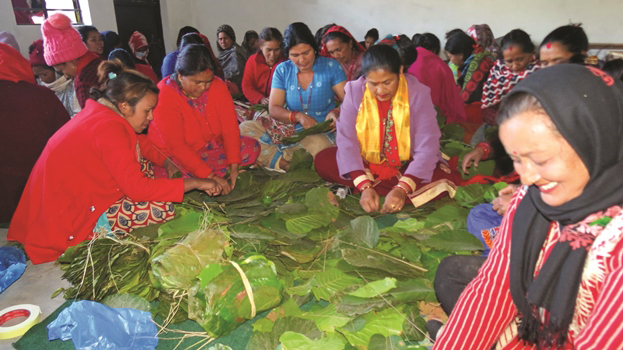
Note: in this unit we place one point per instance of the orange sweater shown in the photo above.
(180, 130)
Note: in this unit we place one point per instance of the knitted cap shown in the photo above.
(61, 42)
(36, 56)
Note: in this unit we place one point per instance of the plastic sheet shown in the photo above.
(12, 266)
(91, 325)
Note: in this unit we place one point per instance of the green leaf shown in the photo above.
(331, 282)
(297, 341)
(270, 340)
(453, 132)
(208, 273)
(453, 241)
(450, 215)
(362, 231)
(247, 231)
(381, 261)
(263, 325)
(292, 208)
(219, 347)
(127, 301)
(316, 129)
(474, 194)
(302, 289)
(375, 288)
(352, 306)
(307, 222)
(386, 322)
(414, 290)
(327, 319)
(410, 252)
(379, 342)
(409, 225)
(317, 200)
(181, 226)
(414, 327)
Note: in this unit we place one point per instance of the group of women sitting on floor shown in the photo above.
(553, 275)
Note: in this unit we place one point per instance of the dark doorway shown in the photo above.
(143, 16)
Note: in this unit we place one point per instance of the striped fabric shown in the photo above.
(485, 316)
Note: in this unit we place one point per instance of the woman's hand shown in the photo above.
(170, 167)
(223, 183)
(233, 175)
(472, 158)
(305, 120)
(333, 115)
(264, 101)
(394, 201)
(501, 203)
(209, 186)
(370, 200)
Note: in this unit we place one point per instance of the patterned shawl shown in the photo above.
(502, 80)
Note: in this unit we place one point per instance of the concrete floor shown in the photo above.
(34, 287)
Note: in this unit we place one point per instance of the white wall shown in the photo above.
(102, 16)
(600, 18)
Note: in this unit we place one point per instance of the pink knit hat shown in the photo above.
(62, 43)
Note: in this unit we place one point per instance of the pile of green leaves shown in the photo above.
(331, 275)
(316, 129)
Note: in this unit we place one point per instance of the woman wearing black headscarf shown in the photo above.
(553, 279)
(232, 56)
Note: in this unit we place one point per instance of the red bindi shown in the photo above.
(515, 152)
(549, 45)
(510, 48)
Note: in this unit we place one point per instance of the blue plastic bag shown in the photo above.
(91, 325)
(483, 222)
(12, 266)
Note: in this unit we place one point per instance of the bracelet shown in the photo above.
(400, 186)
(486, 147)
(407, 183)
(337, 111)
(361, 180)
(292, 115)
(365, 187)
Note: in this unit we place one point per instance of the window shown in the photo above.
(36, 11)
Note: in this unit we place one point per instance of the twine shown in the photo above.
(247, 287)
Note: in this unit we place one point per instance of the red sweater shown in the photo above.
(485, 309)
(86, 166)
(180, 130)
(148, 71)
(258, 77)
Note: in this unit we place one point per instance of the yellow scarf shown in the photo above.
(369, 124)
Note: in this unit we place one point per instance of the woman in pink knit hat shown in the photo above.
(65, 51)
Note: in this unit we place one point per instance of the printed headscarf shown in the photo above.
(137, 40)
(484, 38)
(227, 29)
(586, 106)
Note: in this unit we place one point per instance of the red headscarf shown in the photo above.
(137, 40)
(325, 52)
(13, 66)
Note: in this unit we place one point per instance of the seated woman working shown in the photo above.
(388, 138)
(307, 85)
(260, 68)
(340, 45)
(552, 279)
(195, 123)
(93, 171)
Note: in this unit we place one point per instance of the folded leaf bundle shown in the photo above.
(219, 301)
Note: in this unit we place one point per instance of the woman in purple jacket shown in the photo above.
(387, 138)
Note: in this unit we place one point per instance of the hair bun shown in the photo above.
(59, 21)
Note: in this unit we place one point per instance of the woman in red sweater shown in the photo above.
(94, 164)
(195, 122)
(258, 73)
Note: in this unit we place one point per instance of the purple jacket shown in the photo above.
(425, 132)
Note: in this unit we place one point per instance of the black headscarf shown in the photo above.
(586, 106)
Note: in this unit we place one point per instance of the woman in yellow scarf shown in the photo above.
(387, 138)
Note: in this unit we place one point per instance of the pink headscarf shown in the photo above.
(325, 52)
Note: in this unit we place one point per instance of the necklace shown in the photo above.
(306, 106)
